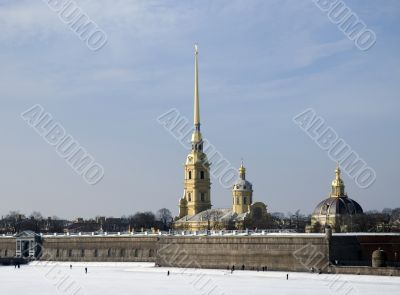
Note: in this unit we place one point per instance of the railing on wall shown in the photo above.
(199, 233)
(173, 233)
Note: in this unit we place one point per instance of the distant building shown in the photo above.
(195, 211)
(338, 211)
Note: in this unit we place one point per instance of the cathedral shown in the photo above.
(195, 212)
(338, 211)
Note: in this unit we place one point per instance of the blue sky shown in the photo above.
(261, 63)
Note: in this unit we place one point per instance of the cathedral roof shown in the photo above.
(216, 214)
(210, 214)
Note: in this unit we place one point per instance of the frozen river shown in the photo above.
(145, 279)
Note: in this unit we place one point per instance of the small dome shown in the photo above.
(243, 185)
(338, 205)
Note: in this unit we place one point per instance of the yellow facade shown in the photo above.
(195, 211)
(242, 193)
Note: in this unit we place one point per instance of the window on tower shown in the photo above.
(201, 174)
(202, 196)
(244, 200)
(189, 197)
(190, 174)
(237, 201)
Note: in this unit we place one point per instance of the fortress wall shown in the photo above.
(365, 270)
(7, 246)
(291, 252)
(349, 248)
(88, 248)
(295, 253)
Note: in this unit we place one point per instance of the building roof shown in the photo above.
(338, 205)
(216, 214)
(241, 183)
(26, 234)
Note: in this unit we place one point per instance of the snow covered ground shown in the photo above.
(143, 278)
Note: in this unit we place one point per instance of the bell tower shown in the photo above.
(197, 186)
(242, 193)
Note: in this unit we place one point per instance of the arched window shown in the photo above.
(109, 253)
(69, 253)
(237, 201)
(136, 252)
(190, 197)
(122, 253)
(201, 174)
(245, 200)
(82, 253)
(190, 174)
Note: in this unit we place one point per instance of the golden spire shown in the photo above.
(196, 89)
(337, 184)
(242, 171)
(196, 136)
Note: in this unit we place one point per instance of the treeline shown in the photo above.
(15, 222)
(387, 220)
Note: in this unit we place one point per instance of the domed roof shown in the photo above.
(241, 183)
(338, 205)
(338, 202)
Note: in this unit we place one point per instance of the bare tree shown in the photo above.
(36, 215)
(207, 215)
(216, 217)
(165, 218)
(144, 220)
